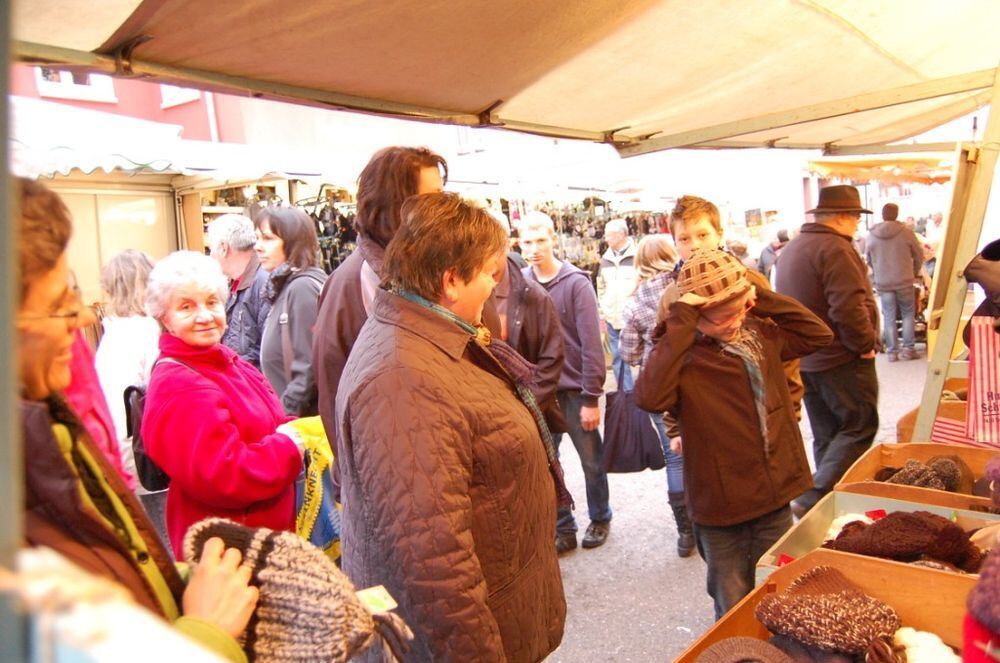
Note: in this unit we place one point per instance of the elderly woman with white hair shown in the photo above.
(212, 422)
(232, 238)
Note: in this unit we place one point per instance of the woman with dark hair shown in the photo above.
(288, 248)
(392, 175)
(75, 503)
(449, 475)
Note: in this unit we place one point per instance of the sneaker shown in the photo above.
(597, 534)
(893, 357)
(908, 354)
(565, 542)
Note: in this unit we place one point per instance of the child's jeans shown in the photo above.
(732, 552)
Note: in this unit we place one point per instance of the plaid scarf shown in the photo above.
(522, 373)
(746, 345)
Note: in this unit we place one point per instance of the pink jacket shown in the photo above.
(210, 425)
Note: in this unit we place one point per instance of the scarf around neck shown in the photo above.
(522, 373)
(746, 345)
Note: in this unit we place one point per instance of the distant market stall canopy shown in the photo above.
(643, 75)
(897, 169)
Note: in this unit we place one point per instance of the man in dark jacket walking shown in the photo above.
(821, 269)
(897, 258)
(582, 380)
(231, 239)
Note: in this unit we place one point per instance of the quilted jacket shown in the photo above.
(447, 497)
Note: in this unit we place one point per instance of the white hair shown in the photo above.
(182, 268)
(537, 221)
(235, 230)
(616, 225)
(500, 218)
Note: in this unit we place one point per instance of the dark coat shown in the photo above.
(534, 330)
(821, 269)
(731, 476)
(448, 500)
(246, 312)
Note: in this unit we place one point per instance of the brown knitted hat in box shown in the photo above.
(825, 610)
(741, 649)
(307, 610)
(713, 274)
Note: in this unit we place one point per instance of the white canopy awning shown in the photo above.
(641, 74)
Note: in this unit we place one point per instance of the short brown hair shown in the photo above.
(655, 255)
(440, 231)
(297, 231)
(391, 176)
(44, 229)
(689, 208)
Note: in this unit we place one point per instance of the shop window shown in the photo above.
(171, 95)
(79, 85)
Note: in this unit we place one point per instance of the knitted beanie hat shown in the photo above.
(741, 649)
(915, 473)
(984, 599)
(713, 274)
(992, 474)
(307, 610)
(825, 610)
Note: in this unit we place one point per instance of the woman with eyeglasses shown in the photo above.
(75, 503)
(212, 422)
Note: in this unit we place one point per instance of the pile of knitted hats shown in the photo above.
(940, 472)
(308, 609)
(919, 537)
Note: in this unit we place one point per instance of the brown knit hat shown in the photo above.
(741, 649)
(825, 610)
(307, 610)
(713, 274)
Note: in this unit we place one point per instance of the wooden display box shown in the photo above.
(860, 477)
(925, 599)
(810, 532)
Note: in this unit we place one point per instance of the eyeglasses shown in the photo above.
(69, 310)
(743, 311)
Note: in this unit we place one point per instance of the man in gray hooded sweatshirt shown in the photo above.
(896, 258)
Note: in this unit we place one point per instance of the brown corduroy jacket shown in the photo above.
(448, 501)
(731, 473)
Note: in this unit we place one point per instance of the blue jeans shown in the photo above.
(617, 363)
(905, 302)
(675, 462)
(732, 552)
(588, 446)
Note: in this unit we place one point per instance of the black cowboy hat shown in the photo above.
(840, 198)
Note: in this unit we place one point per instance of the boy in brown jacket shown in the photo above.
(717, 367)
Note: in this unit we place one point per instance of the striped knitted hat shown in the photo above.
(823, 609)
(307, 610)
(713, 274)
(741, 649)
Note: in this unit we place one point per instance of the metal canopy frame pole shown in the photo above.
(971, 195)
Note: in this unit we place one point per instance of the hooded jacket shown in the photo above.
(293, 316)
(573, 295)
(448, 501)
(895, 254)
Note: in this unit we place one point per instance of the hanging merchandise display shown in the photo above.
(333, 213)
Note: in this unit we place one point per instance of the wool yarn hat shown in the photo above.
(308, 610)
(714, 275)
(741, 649)
(890, 212)
(982, 623)
(907, 537)
(915, 473)
(992, 475)
(823, 609)
(840, 198)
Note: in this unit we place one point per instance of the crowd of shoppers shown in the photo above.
(445, 375)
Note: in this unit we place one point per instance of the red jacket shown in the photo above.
(210, 425)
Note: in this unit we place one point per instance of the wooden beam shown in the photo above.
(851, 150)
(863, 102)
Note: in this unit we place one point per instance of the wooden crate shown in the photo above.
(860, 477)
(810, 532)
(926, 599)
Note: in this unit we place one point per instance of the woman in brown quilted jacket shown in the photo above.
(449, 480)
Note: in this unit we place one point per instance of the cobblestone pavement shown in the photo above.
(633, 599)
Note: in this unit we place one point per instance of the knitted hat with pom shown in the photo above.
(307, 610)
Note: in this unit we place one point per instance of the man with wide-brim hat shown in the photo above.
(821, 269)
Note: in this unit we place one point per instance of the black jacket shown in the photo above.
(246, 312)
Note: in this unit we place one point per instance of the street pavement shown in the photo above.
(633, 599)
